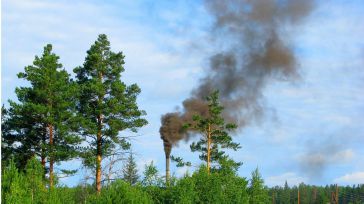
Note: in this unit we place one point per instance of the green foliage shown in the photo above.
(48, 101)
(257, 192)
(180, 162)
(34, 179)
(317, 194)
(219, 188)
(6, 148)
(204, 188)
(151, 176)
(12, 185)
(182, 192)
(23, 135)
(82, 193)
(222, 186)
(130, 171)
(215, 127)
(27, 187)
(121, 192)
(106, 104)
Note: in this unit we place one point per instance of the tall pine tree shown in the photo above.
(106, 104)
(214, 131)
(41, 123)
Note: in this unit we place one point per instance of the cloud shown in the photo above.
(351, 178)
(72, 30)
(291, 178)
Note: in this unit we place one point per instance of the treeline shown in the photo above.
(219, 186)
(317, 194)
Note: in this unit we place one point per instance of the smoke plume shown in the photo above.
(251, 39)
(325, 152)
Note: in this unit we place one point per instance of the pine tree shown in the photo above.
(106, 105)
(6, 150)
(12, 185)
(286, 195)
(214, 131)
(258, 193)
(151, 176)
(42, 120)
(34, 182)
(130, 171)
(23, 135)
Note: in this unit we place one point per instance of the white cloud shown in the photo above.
(351, 178)
(291, 178)
(72, 30)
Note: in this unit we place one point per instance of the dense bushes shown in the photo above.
(201, 187)
(218, 187)
(29, 186)
(222, 185)
(121, 192)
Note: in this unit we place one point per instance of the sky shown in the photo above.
(312, 130)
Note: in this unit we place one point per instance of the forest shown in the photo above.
(58, 118)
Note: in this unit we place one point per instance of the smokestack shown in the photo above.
(167, 150)
(171, 132)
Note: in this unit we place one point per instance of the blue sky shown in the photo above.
(320, 115)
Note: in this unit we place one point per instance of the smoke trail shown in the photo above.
(324, 153)
(252, 47)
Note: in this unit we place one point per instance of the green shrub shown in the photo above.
(183, 192)
(218, 187)
(121, 192)
(12, 186)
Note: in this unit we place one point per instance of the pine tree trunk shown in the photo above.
(208, 148)
(51, 159)
(42, 160)
(43, 154)
(167, 169)
(99, 143)
(98, 156)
